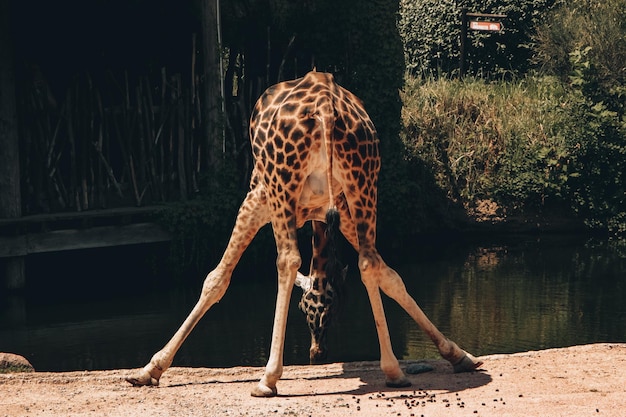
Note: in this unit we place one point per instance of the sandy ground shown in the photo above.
(576, 381)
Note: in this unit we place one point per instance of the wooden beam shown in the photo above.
(10, 195)
(487, 15)
(73, 239)
(111, 213)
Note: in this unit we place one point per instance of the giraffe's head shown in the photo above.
(320, 304)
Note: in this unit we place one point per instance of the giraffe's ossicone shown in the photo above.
(316, 158)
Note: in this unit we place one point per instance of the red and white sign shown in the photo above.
(488, 26)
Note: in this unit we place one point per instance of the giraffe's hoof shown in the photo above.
(142, 378)
(467, 364)
(262, 390)
(400, 382)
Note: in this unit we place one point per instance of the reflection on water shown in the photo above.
(113, 308)
(526, 295)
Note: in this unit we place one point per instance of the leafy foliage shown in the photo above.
(539, 143)
(598, 151)
(431, 31)
(484, 140)
(584, 44)
(588, 36)
(533, 146)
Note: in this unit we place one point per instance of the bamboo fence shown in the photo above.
(118, 139)
(127, 143)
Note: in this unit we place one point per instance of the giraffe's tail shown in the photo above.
(335, 271)
(333, 265)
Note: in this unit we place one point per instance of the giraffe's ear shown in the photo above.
(304, 281)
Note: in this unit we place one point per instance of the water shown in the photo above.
(113, 308)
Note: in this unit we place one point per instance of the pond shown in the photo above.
(113, 308)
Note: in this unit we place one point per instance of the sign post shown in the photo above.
(486, 26)
(478, 25)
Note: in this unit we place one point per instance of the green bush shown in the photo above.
(586, 39)
(431, 29)
(533, 146)
(597, 147)
(584, 43)
(484, 140)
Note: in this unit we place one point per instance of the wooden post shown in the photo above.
(10, 196)
(483, 25)
(463, 44)
(211, 85)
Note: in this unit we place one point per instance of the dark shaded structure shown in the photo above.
(138, 103)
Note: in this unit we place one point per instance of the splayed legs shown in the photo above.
(376, 274)
(393, 286)
(215, 286)
(252, 216)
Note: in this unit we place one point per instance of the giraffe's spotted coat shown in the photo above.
(316, 153)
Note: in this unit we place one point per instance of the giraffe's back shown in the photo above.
(293, 154)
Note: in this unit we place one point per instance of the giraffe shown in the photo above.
(316, 158)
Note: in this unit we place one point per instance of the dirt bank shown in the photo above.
(577, 381)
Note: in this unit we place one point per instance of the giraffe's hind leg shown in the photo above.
(368, 266)
(393, 286)
(287, 264)
(376, 276)
(253, 214)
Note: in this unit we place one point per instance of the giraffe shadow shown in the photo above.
(372, 381)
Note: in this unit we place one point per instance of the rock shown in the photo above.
(418, 368)
(10, 362)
